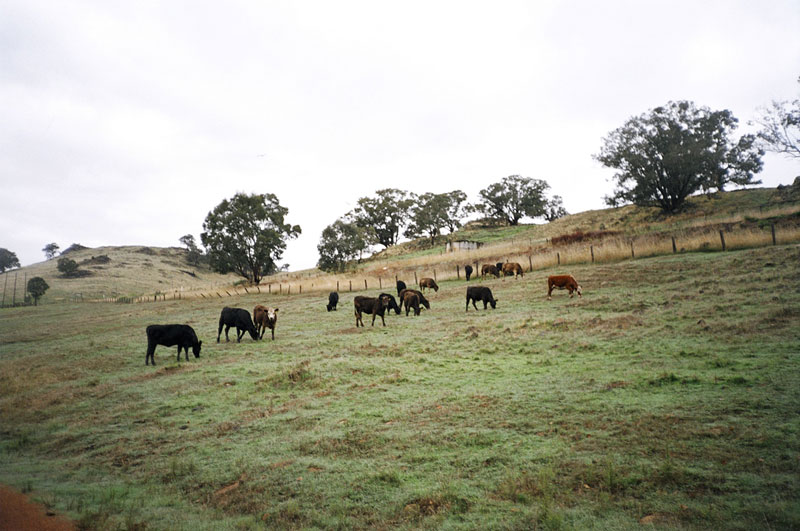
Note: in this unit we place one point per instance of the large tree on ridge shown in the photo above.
(674, 151)
(247, 235)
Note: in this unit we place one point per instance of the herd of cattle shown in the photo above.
(265, 318)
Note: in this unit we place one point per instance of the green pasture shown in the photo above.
(669, 395)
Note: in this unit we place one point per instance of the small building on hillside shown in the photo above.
(461, 245)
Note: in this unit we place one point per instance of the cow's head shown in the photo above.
(385, 301)
(272, 315)
(493, 302)
(578, 289)
(196, 349)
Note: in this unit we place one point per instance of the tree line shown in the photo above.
(661, 157)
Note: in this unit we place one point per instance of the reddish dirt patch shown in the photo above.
(19, 513)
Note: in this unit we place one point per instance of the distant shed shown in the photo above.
(462, 245)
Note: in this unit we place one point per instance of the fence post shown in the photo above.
(558, 256)
(337, 285)
(269, 288)
(351, 285)
(14, 295)
(289, 289)
(633, 254)
(458, 272)
(415, 278)
(380, 283)
(434, 276)
(530, 264)
(591, 248)
(365, 284)
(722, 239)
(773, 234)
(5, 285)
(674, 247)
(280, 289)
(301, 289)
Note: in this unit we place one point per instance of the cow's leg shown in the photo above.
(227, 328)
(273, 333)
(239, 334)
(219, 332)
(475, 305)
(383, 320)
(549, 292)
(179, 353)
(467, 308)
(151, 349)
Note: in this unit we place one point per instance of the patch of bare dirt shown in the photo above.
(19, 513)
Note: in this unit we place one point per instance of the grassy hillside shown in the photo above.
(666, 395)
(119, 272)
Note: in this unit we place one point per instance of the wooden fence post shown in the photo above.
(289, 290)
(633, 254)
(351, 285)
(674, 247)
(269, 288)
(458, 272)
(5, 285)
(558, 256)
(380, 283)
(591, 248)
(280, 289)
(14, 295)
(337, 285)
(722, 239)
(415, 278)
(365, 284)
(773, 234)
(434, 276)
(530, 264)
(301, 289)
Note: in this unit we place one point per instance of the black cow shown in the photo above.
(169, 336)
(499, 266)
(400, 287)
(333, 300)
(239, 318)
(392, 303)
(370, 305)
(468, 271)
(480, 293)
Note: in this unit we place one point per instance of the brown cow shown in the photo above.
(411, 301)
(422, 300)
(512, 268)
(428, 283)
(563, 282)
(370, 305)
(264, 318)
(489, 269)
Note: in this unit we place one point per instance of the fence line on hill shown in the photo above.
(605, 250)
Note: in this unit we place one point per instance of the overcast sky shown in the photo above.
(125, 123)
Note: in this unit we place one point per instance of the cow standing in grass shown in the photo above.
(239, 318)
(392, 302)
(333, 300)
(512, 268)
(489, 269)
(370, 305)
(169, 336)
(428, 283)
(411, 301)
(264, 318)
(468, 271)
(422, 299)
(400, 287)
(480, 293)
(567, 282)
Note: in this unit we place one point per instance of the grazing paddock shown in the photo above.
(664, 395)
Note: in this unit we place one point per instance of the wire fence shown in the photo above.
(530, 255)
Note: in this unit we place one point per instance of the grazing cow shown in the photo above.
(333, 300)
(169, 336)
(499, 266)
(392, 302)
(239, 318)
(428, 283)
(411, 301)
(563, 282)
(422, 299)
(468, 271)
(265, 318)
(480, 293)
(489, 269)
(400, 287)
(512, 268)
(370, 305)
